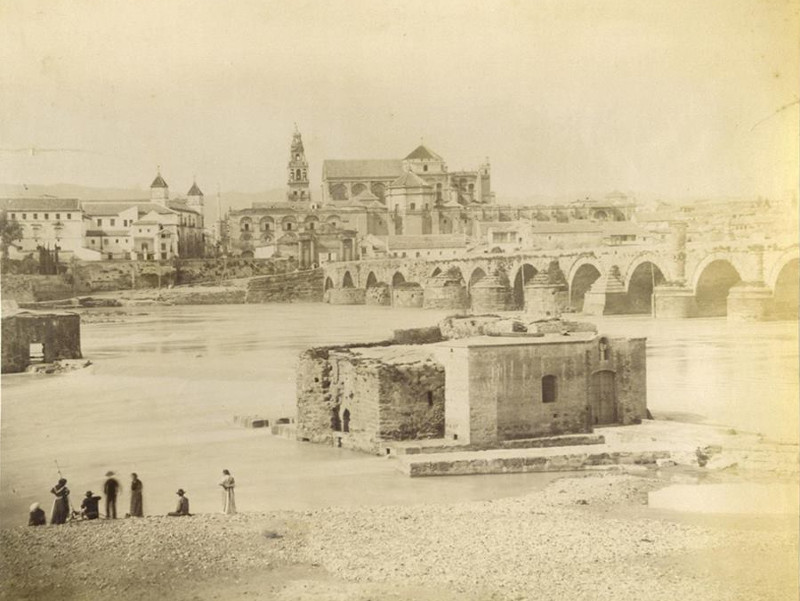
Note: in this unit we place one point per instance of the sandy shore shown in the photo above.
(588, 537)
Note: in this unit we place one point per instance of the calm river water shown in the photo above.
(167, 381)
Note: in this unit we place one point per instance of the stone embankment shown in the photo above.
(579, 539)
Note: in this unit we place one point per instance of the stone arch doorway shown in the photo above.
(347, 280)
(398, 278)
(328, 283)
(525, 275)
(713, 286)
(644, 278)
(372, 280)
(786, 297)
(477, 275)
(584, 277)
(604, 397)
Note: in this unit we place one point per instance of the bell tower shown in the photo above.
(297, 183)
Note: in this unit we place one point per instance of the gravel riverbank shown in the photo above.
(588, 537)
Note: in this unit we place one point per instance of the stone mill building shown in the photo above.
(479, 382)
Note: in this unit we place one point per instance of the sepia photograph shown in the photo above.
(432, 300)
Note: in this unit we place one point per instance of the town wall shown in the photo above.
(296, 286)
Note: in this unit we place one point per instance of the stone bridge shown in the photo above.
(669, 279)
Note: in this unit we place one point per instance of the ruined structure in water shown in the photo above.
(30, 337)
(476, 382)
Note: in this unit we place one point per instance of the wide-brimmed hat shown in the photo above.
(89, 493)
(180, 492)
(109, 474)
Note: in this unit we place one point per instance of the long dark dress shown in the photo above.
(60, 505)
(136, 499)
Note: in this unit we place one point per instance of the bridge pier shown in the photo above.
(407, 295)
(378, 295)
(346, 296)
(489, 295)
(672, 302)
(545, 300)
(445, 292)
(749, 303)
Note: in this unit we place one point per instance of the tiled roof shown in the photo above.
(120, 233)
(194, 190)
(180, 205)
(409, 180)
(94, 207)
(571, 227)
(365, 196)
(366, 169)
(430, 241)
(40, 204)
(421, 152)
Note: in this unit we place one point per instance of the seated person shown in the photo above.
(37, 516)
(89, 510)
(183, 504)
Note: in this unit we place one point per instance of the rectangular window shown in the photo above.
(47, 215)
(13, 216)
(24, 216)
(69, 215)
(549, 389)
(92, 241)
(58, 216)
(116, 240)
(99, 222)
(36, 215)
(112, 221)
(163, 247)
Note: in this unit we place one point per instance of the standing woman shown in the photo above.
(227, 484)
(61, 503)
(136, 497)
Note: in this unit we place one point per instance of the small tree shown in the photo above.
(10, 232)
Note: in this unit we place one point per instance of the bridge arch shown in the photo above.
(657, 262)
(582, 274)
(398, 278)
(328, 283)
(643, 276)
(777, 267)
(372, 280)
(476, 276)
(523, 276)
(347, 280)
(714, 278)
(786, 289)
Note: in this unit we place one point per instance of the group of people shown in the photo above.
(63, 511)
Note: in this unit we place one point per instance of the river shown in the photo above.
(167, 381)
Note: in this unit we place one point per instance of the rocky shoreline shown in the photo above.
(586, 537)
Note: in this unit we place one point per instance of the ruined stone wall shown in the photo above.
(60, 336)
(34, 288)
(506, 391)
(296, 286)
(356, 389)
(411, 401)
(314, 401)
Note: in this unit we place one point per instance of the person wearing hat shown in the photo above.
(37, 516)
(111, 488)
(183, 504)
(89, 509)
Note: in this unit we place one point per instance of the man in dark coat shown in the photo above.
(111, 488)
(183, 505)
(89, 509)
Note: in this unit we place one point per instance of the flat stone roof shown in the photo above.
(396, 354)
(521, 339)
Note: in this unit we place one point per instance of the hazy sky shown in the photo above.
(677, 98)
